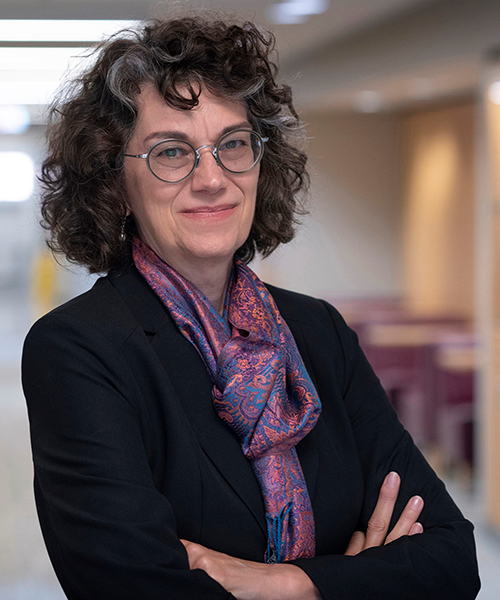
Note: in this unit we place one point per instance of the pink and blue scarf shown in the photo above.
(262, 390)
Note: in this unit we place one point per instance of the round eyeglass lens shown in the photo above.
(239, 151)
(171, 160)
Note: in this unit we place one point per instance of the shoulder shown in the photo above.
(309, 311)
(298, 307)
(99, 312)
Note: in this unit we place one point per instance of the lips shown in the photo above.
(210, 213)
(209, 209)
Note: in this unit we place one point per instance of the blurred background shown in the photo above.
(401, 100)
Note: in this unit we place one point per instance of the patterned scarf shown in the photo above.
(262, 390)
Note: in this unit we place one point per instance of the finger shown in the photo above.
(356, 544)
(190, 546)
(407, 519)
(196, 553)
(378, 524)
(416, 528)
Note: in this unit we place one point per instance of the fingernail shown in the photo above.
(416, 502)
(392, 479)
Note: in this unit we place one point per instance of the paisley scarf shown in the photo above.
(262, 390)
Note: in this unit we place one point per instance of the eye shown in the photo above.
(171, 152)
(232, 144)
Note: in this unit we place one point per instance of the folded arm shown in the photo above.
(248, 580)
(440, 563)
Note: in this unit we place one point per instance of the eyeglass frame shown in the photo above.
(197, 159)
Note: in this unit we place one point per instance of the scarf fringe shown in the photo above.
(275, 551)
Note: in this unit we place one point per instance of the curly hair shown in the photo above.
(83, 200)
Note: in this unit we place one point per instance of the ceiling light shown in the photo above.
(14, 119)
(27, 92)
(369, 101)
(494, 92)
(17, 174)
(36, 59)
(421, 88)
(46, 30)
(32, 75)
(296, 11)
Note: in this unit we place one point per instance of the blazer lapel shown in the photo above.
(307, 448)
(193, 387)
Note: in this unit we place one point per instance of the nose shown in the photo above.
(208, 176)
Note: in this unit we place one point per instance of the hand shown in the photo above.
(248, 580)
(376, 534)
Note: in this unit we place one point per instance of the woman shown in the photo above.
(195, 433)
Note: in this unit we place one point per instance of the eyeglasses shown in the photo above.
(173, 160)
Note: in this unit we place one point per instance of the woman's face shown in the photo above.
(207, 217)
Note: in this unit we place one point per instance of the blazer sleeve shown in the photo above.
(109, 532)
(440, 563)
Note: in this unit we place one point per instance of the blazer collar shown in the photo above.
(193, 386)
(145, 306)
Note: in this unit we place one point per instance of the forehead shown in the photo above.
(211, 115)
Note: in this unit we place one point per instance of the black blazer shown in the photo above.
(130, 455)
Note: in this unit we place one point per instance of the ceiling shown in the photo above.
(408, 52)
(341, 19)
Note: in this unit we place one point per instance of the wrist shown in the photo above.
(295, 583)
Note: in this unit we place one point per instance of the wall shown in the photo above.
(349, 244)
(488, 296)
(438, 214)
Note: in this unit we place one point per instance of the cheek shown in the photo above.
(249, 214)
(132, 188)
(253, 196)
(143, 197)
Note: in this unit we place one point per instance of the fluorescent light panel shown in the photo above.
(46, 30)
(36, 59)
(14, 119)
(494, 92)
(17, 173)
(296, 11)
(32, 75)
(27, 92)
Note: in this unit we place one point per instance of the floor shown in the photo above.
(25, 571)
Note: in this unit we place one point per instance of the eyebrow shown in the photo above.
(180, 135)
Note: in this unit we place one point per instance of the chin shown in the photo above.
(212, 254)
(216, 250)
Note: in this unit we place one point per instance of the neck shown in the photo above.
(210, 277)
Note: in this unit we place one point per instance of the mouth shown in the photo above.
(210, 212)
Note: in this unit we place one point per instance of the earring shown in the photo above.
(123, 236)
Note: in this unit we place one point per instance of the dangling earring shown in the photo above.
(123, 236)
